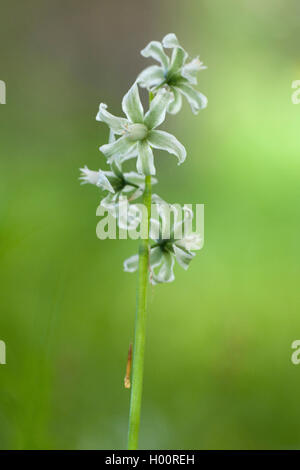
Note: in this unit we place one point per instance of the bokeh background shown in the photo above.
(218, 371)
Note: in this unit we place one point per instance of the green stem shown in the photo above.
(140, 332)
(140, 327)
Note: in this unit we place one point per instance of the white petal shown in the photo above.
(156, 256)
(103, 182)
(151, 77)
(154, 232)
(120, 147)
(155, 50)
(190, 70)
(165, 273)
(196, 99)
(179, 55)
(116, 168)
(131, 154)
(145, 160)
(158, 107)
(163, 210)
(98, 178)
(120, 159)
(132, 193)
(164, 217)
(191, 241)
(170, 41)
(115, 123)
(165, 141)
(88, 176)
(179, 227)
(134, 187)
(112, 137)
(110, 201)
(175, 105)
(178, 59)
(128, 215)
(134, 217)
(132, 105)
(131, 264)
(183, 257)
(135, 178)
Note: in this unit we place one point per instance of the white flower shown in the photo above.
(99, 178)
(137, 131)
(175, 73)
(117, 184)
(164, 251)
(121, 189)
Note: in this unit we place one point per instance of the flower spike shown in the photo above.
(166, 231)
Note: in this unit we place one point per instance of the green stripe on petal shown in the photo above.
(103, 182)
(120, 159)
(120, 147)
(155, 50)
(157, 110)
(175, 105)
(196, 99)
(165, 273)
(116, 168)
(164, 141)
(151, 77)
(115, 123)
(179, 55)
(156, 256)
(132, 105)
(145, 160)
(183, 257)
(178, 59)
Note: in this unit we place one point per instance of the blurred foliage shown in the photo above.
(218, 370)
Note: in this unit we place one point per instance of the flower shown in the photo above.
(117, 184)
(164, 251)
(99, 178)
(121, 188)
(175, 73)
(137, 131)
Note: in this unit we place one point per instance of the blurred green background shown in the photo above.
(218, 370)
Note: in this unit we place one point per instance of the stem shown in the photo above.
(140, 331)
(140, 327)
